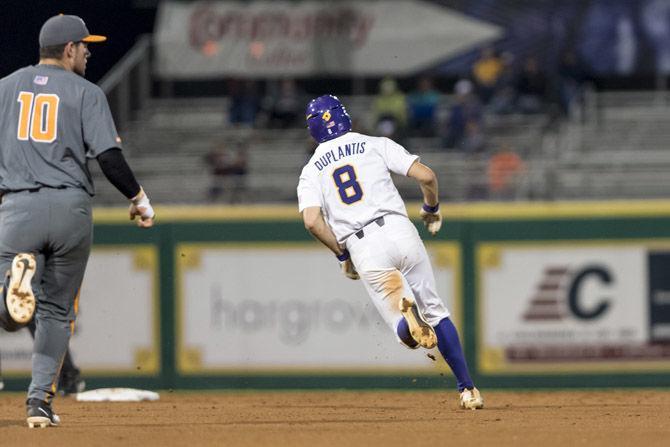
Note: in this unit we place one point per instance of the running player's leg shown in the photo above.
(55, 322)
(376, 258)
(63, 273)
(418, 272)
(51, 339)
(69, 381)
(21, 231)
(373, 257)
(386, 289)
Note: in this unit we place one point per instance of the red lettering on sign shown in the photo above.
(206, 24)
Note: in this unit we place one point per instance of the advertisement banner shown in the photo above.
(117, 329)
(591, 306)
(283, 307)
(209, 39)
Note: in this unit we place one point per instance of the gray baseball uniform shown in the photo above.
(53, 121)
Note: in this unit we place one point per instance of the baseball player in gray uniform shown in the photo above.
(53, 122)
(348, 202)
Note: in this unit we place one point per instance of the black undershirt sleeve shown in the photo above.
(113, 165)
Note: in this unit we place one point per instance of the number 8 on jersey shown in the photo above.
(345, 180)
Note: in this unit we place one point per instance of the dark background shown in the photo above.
(122, 21)
(543, 28)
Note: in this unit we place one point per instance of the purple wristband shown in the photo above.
(344, 256)
(431, 209)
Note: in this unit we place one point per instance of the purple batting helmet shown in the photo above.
(327, 118)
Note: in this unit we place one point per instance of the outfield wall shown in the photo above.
(564, 294)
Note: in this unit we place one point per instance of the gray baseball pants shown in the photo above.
(56, 226)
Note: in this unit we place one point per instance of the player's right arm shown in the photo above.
(309, 204)
(315, 223)
(430, 211)
(317, 226)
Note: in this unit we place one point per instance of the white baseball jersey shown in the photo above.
(349, 177)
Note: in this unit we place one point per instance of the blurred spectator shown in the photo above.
(284, 105)
(608, 39)
(503, 171)
(389, 110)
(477, 186)
(465, 111)
(423, 108)
(486, 71)
(244, 102)
(571, 77)
(473, 140)
(656, 26)
(228, 172)
(531, 87)
(504, 97)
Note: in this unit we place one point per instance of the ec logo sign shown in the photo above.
(561, 294)
(577, 307)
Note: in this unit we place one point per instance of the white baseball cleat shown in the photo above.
(421, 331)
(471, 399)
(20, 299)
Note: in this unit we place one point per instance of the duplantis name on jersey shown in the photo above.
(334, 155)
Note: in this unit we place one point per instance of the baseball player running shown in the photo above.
(53, 122)
(349, 202)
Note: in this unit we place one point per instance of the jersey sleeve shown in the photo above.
(98, 130)
(309, 193)
(397, 159)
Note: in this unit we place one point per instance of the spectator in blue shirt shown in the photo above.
(423, 105)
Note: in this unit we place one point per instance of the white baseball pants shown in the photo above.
(392, 262)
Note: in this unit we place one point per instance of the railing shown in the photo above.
(128, 83)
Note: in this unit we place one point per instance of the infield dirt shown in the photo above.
(347, 418)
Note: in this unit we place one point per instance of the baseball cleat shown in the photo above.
(20, 299)
(421, 331)
(40, 414)
(471, 399)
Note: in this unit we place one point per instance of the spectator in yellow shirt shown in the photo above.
(389, 110)
(486, 71)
